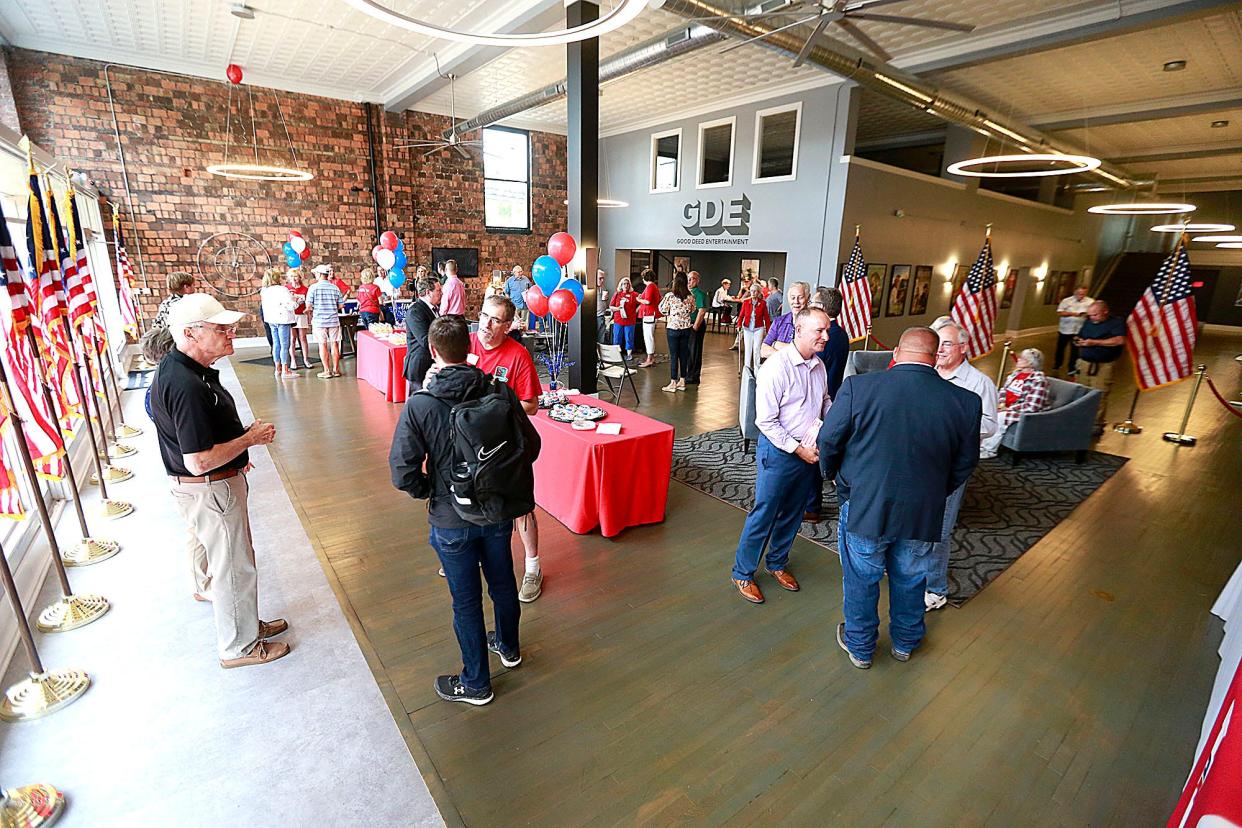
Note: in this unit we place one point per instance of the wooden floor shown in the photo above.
(1069, 692)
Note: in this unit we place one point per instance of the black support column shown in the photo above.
(582, 73)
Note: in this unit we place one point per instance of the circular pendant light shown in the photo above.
(607, 202)
(615, 18)
(1142, 208)
(259, 172)
(1078, 163)
(1231, 245)
(1218, 238)
(1191, 228)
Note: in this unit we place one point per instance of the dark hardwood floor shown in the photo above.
(1069, 692)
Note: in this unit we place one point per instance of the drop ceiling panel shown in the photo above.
(1143, 137)
(880, 117)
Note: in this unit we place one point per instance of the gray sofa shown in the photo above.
(746, 409)
(861, 362)
(1065, 425)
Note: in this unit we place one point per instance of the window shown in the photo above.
(506, 178)
(776, 143)
(716, 153)
(666, 161)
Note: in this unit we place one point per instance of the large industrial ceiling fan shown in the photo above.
(453, 142)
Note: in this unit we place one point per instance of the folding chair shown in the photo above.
(615, 366)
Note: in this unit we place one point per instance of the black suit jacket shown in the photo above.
(899, 442)
(418, 353)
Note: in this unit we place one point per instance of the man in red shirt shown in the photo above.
(497, 354)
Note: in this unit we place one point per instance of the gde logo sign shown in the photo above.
(705, 221)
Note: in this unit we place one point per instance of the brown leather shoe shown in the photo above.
(260, 653)
(271, 629)
(749, 590)
(810, 517)
(785, 578)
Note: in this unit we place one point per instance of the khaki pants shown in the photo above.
(1097, 375)
(216, 514)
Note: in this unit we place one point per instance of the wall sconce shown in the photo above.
(947, 269)
(1040, 273)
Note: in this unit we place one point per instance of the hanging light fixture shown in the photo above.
(1191, 228)
(1142, 208)
(1218, 239)
(1076, 164)
(1231, 245)
(256, 170)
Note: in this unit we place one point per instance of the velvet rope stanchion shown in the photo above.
(1180, 436)
(30, 806)
(1230, 406)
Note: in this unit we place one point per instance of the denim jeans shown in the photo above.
(280, 344)
(678, 353)
(623, 335)
(938, 560)
(461, 551)
(781, 481)
(367, 319)
(863, 564)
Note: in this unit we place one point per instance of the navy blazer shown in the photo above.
(418, 319)
(899, 442)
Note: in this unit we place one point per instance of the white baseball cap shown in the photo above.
(322, 269)
(199, 307)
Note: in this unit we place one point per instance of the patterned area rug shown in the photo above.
(1006, 511)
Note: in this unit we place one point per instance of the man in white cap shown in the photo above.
(204, 447)
(323, 302)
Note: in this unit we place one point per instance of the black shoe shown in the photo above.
(856, 661)
(451, 689)
(507, 659)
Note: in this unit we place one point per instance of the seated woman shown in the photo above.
(720, 302)
(1025, 391)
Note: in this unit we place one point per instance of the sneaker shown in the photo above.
(261, 653)
(681, 385)
(857, 662)
(441, 572)
(671, 387)
(451, 689)
(900, 655)
(507, 659)
(932, 601)
(532, 587)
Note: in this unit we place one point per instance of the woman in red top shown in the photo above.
(624, 315)
(368, 299)
(649, 312)
(301, 325)
(752, 323)
(1025, 392)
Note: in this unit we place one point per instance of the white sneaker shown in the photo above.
(932, 601)
(671, 387)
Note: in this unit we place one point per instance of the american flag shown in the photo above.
(856, 291)
(974, 310)
(78, 249)
(41, 434)
(10, 497)
(124, 279)
(1160, 331)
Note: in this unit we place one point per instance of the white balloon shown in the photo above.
(385, 259)
(298, 243)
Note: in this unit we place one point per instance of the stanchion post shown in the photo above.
(1128, 426)
(1000, 372)
(1180, 436)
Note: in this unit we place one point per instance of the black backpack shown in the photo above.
(494, 446)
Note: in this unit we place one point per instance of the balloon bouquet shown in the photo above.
(389, 254)
(296, 250)
(558, 294)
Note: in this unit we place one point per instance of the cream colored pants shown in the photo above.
(1102, 378)
(216, 515)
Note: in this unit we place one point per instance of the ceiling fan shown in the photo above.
(453, 142)
(843, 13)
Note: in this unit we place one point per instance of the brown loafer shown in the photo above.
(260, 653)
(785, 578)
(749, 590)
(271, 629)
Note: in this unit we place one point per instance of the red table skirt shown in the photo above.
(585, 479)
(380, 364)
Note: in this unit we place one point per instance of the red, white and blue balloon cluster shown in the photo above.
(553, 291)
(296, 250)
(389, 254)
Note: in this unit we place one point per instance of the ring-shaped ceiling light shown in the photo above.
(259, 172)
(1191, 228)
(1218, 238)
(1080, 163)
(1142, 208)
(608, 202)
(1231, 245)
(615, 18)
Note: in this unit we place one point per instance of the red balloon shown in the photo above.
(563, 305)
(536, 301)
(234, 73)
(293, 233)
(305, 254)
(375, 253)
(389, 240)
(562, 247)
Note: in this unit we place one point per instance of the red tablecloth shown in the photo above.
(585, 479)
(380, 365)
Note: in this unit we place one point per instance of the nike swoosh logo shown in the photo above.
(484, 456)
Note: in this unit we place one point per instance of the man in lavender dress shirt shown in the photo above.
(791, 399)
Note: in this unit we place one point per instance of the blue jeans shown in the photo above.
(280, 344)
(679, 353)
(461, 551)
(863, 564)
(367, 319)
(623, 335)
(938, 560)
(781, 480)
(815, 495)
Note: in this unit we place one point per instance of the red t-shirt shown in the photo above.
(652, 294)
(300, 293)
(509, 363)
(627, 301)
(368, 299)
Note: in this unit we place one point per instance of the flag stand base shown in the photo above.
(73, 612)
(42, 694)
(1180, 439)
(1128, 427)
(112, 474)
(117, 450)
(30, 806)
(88, 551)
(115, 509)
(125, 431)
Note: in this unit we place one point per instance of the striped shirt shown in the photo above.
(323, 300)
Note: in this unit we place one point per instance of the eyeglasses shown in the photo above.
(227, 330)
(486, 318)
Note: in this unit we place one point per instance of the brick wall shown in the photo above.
(173, 127)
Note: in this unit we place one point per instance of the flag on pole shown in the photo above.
(10, 497)
(40, 432)
(124, 279)
(1161, 330)
(856, 291)
(974, 310)
(77, 248)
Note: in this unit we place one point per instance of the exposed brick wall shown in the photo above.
(173, 127)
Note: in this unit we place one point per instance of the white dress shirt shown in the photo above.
(975, 381)
(791, 398)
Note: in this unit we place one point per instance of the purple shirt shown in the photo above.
(782, 330)
(454, 298)
(791, 398)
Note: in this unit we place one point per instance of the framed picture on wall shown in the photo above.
(1049, 285)
(1066, 284)
(898, 289)
(960, 272)
(921, 290)
(750, 268)
(875, 278)
(681, 263)
(1011, 282)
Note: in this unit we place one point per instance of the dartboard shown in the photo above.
(233, 263)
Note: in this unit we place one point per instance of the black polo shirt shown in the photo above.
(192, 413)
(1106, 329)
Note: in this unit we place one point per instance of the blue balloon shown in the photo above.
(396, 277)
(293, 260)
(573, 286)
(400, 247)
(398, 259)
(546, 272)
(288, 250)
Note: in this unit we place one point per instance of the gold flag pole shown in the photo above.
(30, 806)
(1000, 373)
